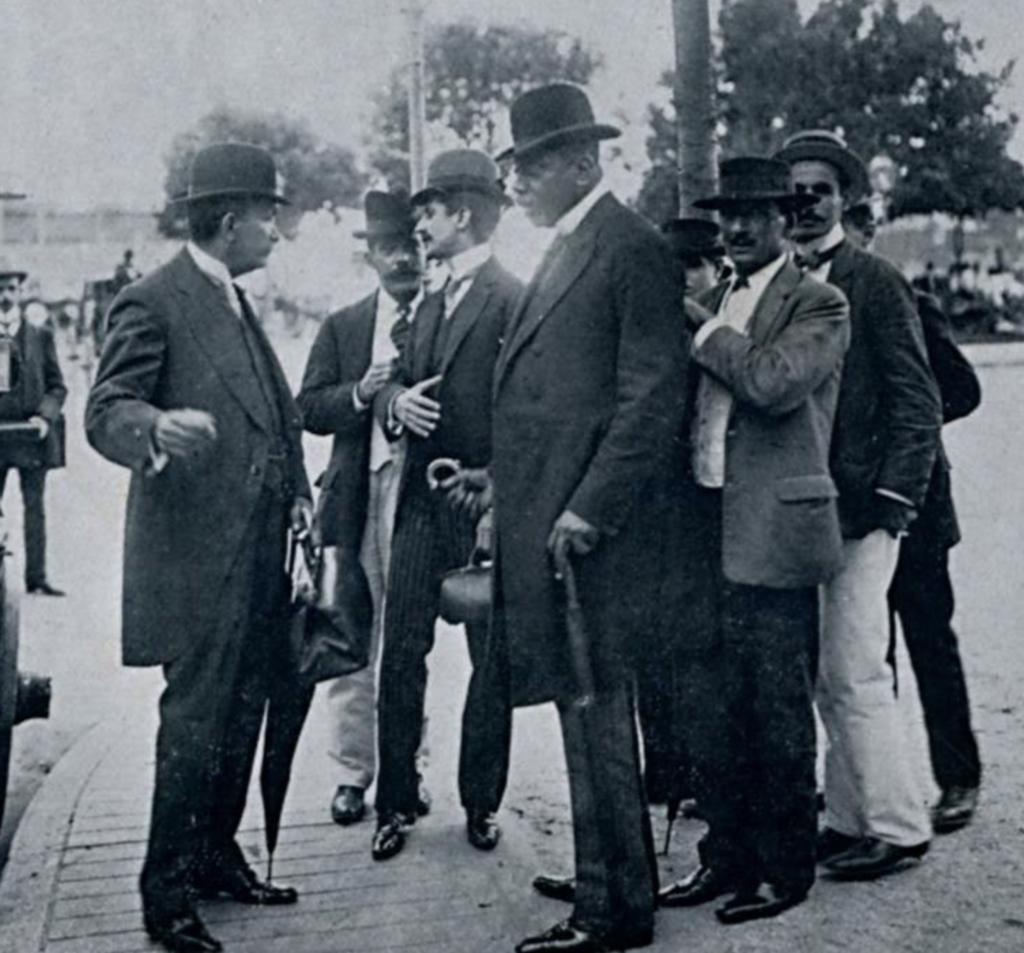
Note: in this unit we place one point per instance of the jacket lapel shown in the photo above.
(466, 313)
(843, 265)
(769, 308)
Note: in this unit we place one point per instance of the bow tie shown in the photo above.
(813, 260)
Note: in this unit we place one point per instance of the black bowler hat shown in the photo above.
(694, 238)
(552, 116)
(462, 170)
(754, 179)
(820, 145)
(388, 215)
(233, 168)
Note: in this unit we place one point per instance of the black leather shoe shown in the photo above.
(870, 858)
(184, 933)
(44, 589)
(565, 937)
(348, 805)
(423, 800)
(243, 886)
(767, 901)
(389, 838)
(555, 888)
(482, 830)
(704, 884)
(955, 809)
(831, 843)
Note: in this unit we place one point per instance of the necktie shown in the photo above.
(813, 260)
(401, 328)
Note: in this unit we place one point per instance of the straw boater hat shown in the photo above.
(462, 170)
(388, 215)
(232, 168)
(754, 179)
(552, 116)
(820, 145)
(694, 238)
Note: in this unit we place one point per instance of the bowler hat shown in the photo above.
(461, 170)
(820, 145)
(552, 116)
(754, 179)
(7, 270)
(694, 238)
(232, 168)
(388, 215)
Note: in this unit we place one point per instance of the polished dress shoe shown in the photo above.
(482, 830)
(767, 901)
(423, 800)
(243, 886)
(704, 884)
(565, 937)
(184, 933)
(44, 589)
(389, 838)
(555, 888)
(831, 843)
(348, 805)
(870, 858)
(955, 809)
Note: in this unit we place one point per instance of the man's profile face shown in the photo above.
(396, 260)
(754, 234)
(546, 186)
(820, 181)
(438, 230)
(10, 293)
(254, 234)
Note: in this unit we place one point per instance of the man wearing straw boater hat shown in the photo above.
(190, 396)
(883, 449)
(763, 532)
(587, 399)
(353, 357)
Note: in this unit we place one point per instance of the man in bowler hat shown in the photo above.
(587, 398)
(440, 400)
(32, 392)
(762, 533)
(353, 357)
(698, 247)
(883, 449)
(190, 396)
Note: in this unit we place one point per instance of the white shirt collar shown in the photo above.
(469, 261)
(388, 306)
(11, 325)
(834, 236)
(571, 220)
(211, 267)
(761, 278)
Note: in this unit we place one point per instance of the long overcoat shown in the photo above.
(589, 390)
(174, 342)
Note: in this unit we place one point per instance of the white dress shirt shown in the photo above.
(218, 273)
(462, 270)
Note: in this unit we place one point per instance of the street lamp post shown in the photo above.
(415, 13)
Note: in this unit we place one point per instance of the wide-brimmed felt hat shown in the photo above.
(754, 179)
(820, 145)
(7, 270)
(462, 170)
(552, 116)
(694, 238)
(232, 168)
(388, 215)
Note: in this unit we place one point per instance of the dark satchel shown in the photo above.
(21, 446)
(466, 592)
(327, 638)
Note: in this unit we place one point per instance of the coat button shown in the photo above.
(255, 469)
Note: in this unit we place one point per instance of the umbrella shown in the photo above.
(579, 638)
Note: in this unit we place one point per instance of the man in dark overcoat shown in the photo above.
(588, 395)
(190, 396)
(352, 358)
(440, 400)
(883, 448)
(32, 392)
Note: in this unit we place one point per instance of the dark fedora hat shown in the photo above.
(232, 168)
(7, 270)
(820, 145)
(552, 116)
(694, 238)
(388, 215)
(461, 170)
(754, 179)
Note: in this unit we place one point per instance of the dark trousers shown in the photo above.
(922, 596)
(664, 673)
(752, 735)
(616, 868)
(33, 485)
(430, 539)
(211, 711)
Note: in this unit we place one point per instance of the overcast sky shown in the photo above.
(92, 91)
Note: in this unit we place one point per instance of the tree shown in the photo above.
(473, 75)
(317, 174)
(906, 87)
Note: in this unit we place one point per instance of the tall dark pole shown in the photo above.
(415, 12)
(695, 117)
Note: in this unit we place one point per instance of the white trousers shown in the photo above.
(352, 699)
(870, 786)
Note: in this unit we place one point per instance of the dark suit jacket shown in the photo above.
(889, 416)
(173, 341)
(780, 524)
(589, 392)
(477, 328)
